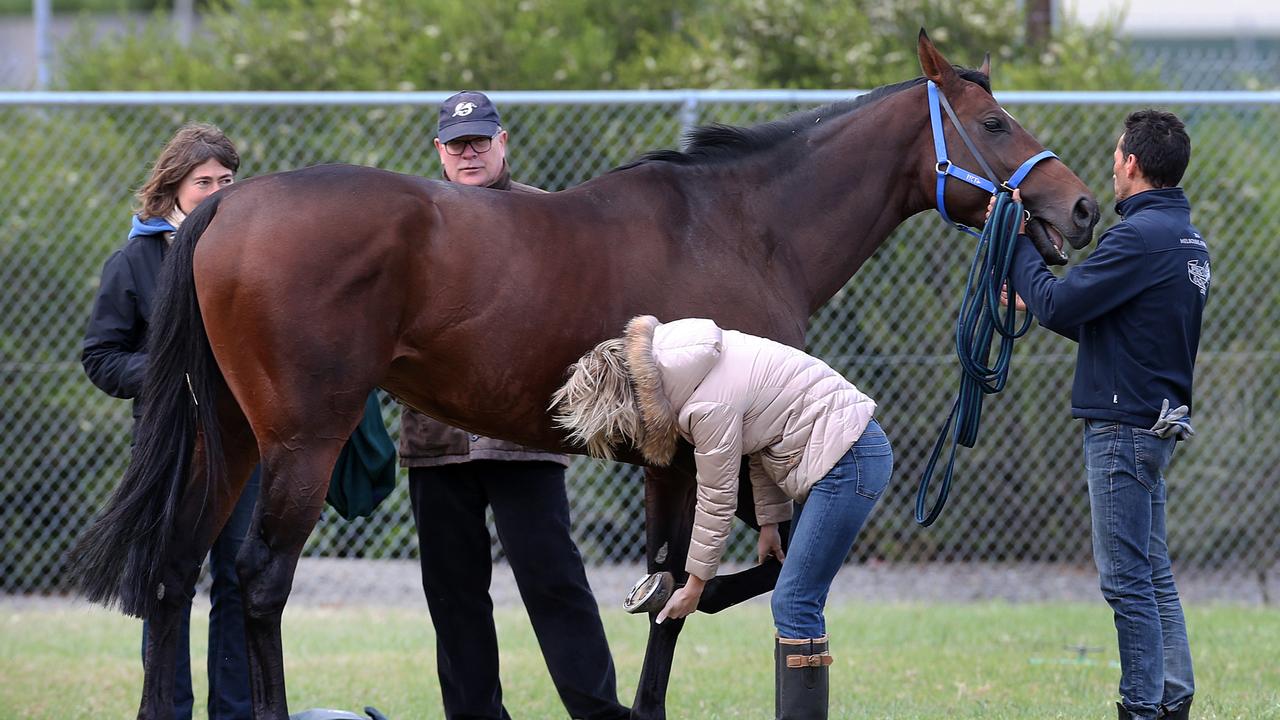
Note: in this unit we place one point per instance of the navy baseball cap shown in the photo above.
(468, 114)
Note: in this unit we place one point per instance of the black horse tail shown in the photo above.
(119, 558)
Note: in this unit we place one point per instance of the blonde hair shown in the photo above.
(597, 404)
(193, 145)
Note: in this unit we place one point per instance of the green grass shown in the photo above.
(989, 660)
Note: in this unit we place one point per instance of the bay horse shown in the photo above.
(309, 288)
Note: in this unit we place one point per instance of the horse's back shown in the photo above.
(314, 218)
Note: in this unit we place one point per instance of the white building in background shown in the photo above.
(1198, 44)
(1186, 18)
(18, 47)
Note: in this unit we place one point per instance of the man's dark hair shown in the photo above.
(1159, 140)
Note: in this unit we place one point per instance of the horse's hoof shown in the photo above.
(650, 593)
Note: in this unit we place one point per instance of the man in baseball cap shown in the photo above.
(471, 141)
(455, 478)
(468, 114)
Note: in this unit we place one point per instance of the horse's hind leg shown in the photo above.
(202, 513)
(295, 478)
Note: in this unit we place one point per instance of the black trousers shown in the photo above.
(531, 512)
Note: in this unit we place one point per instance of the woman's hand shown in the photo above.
(770, 543)
(683, 601)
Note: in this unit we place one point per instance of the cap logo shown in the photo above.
(463, 109)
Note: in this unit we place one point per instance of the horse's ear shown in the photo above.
(935, 67)
(986, 66)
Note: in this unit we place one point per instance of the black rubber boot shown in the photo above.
(1183, 712)
(801, 680)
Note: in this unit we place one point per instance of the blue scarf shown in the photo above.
(151, 226)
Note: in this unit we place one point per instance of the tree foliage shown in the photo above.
(581, 44)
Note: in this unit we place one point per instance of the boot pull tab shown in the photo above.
(815, 660)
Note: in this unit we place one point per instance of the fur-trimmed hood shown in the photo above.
(667, 362)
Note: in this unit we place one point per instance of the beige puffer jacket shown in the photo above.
(731, 394)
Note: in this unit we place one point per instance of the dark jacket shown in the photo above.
(427, 442)
(115, 343)
(1134, 305)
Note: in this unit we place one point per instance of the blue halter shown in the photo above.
(980, 316)
(945, 166)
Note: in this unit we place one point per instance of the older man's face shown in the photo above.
(470, 166)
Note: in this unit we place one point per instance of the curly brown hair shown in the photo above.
(192, 145)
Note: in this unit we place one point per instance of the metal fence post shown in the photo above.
(43, 10)
(688, 115)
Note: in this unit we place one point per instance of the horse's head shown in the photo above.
(1060, 204)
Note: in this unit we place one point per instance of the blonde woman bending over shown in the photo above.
(811, 442)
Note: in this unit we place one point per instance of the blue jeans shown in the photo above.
(1125, 467)
(228, 663)
(823, 531)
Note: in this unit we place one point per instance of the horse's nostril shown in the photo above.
(1085, 212)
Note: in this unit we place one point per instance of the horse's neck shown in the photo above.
(833, 208)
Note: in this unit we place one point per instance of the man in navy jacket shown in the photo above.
(1134, 306)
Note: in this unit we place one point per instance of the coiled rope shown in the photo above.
(981, 317)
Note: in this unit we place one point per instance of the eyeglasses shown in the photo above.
(457, 147)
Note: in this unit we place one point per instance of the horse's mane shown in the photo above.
(715, 143)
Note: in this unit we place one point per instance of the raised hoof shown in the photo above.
(650, 593)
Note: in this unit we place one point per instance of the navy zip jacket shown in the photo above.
(1134, 305)
(115, 343)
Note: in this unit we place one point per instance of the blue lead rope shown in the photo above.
(981, 317)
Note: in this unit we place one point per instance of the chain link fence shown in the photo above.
(71, 163)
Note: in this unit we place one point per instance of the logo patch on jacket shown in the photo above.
(1199, 274)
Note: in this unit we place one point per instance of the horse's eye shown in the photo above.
(993, 125)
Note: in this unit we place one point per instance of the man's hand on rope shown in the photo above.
(1017, 197)
(1022, 229)
(1017, 301)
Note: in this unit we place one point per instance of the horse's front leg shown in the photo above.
(725, 591)
(294, 482)
(669, 510)
(669, 504)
